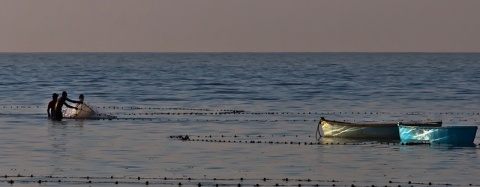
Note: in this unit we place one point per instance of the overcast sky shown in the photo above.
(239, 26)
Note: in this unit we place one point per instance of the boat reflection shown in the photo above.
(357, 141)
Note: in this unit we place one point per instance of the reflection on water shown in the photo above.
(336, 140)
(65, 148)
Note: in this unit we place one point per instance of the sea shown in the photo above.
(250, 118)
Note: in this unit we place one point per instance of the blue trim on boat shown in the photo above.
(439, 135)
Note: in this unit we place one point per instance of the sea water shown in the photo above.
(251, 118)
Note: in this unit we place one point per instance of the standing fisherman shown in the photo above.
(60, 102)
(51, 106)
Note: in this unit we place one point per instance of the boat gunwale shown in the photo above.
(430, 127)
(379, 124)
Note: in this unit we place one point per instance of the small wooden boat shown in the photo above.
(366, 130)
(456, 135)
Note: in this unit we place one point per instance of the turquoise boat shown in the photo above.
(455, 135)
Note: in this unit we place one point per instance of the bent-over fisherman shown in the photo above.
(60, 102)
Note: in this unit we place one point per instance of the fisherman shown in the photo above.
(62, 101)
(83, 110)
(80, 98)
(51, 106)
(81, 105)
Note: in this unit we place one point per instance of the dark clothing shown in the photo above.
(57, 115)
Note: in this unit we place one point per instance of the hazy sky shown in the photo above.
(240, 25)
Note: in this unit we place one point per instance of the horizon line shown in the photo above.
(1, 52)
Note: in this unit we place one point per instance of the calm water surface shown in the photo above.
(158, 95)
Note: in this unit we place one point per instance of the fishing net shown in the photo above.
(85, 112)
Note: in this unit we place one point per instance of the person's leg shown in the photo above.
(58, 115)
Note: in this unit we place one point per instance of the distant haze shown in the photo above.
(239, 26)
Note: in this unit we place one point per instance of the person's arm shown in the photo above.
(50, 108)
(74, 101)
(70, 106)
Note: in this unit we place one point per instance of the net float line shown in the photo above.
(272, 142)
(248, 120)
(237, 181)
(241, 136)
(122, 117)
(128, 108)
(275, 113)
(237, 111)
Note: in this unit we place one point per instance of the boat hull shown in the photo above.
(366, 130)
(360, 131)
(439, 135)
